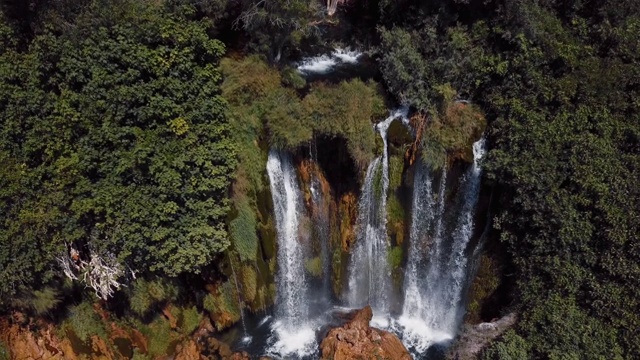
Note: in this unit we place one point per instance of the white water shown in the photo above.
(370, 275)
(321, 224)
(433, 302)
(292, 332)
(325, 63)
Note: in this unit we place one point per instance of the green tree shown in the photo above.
(113, 142)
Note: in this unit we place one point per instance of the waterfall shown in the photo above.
(424, 208)
(292, 331)
(246, 337)
(321, 221)
(370, 275)
(433, 305)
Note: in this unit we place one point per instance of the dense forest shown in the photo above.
(134, 137)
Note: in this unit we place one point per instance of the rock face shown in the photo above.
(357, 340)
(474, 338)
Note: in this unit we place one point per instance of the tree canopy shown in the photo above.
(114, 140)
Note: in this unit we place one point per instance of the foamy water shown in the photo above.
(325, 63)
(292, 343)
(417, 335)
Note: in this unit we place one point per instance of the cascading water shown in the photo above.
(321, 226)
(433, 305)
(294, 335)
(369, 278)
(246, 337)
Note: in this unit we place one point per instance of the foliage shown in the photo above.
(189, 320)
(160, 337)
(116, 141)
(40, 302)
(558, 81)
(566, 140)
(449, 133)
(510, 347)
(257, 97)
(45, 300)
(85, 322)
(278, 25)
(347, 110)
(145, 295)
(486, 281)
(243, 231)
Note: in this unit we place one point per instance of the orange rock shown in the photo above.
(357, 340)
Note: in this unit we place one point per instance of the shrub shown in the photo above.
(145, 294)
(189, 320)
(85, 322)
(510, 347)
(451, 130)
(160, 337)
(348, 110)
(45, 300)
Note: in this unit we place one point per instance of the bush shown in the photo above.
(189, 320)
(451, 131)
(45, 300)
(85, 322)
(160, 337)
(146, 294)
(510, 347)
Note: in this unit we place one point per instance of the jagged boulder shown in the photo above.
(357, 340)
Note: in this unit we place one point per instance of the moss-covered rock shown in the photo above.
(222, 305)
(249, 283)
(484, 284)
(314, 266)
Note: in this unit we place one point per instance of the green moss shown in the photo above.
(249, 281)
(223, 305)
(268, 238)
(243, 230)
(4, 352)
(396, 165)
(484, 284)
(314, 266)
(395, 211)
(394, 257)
